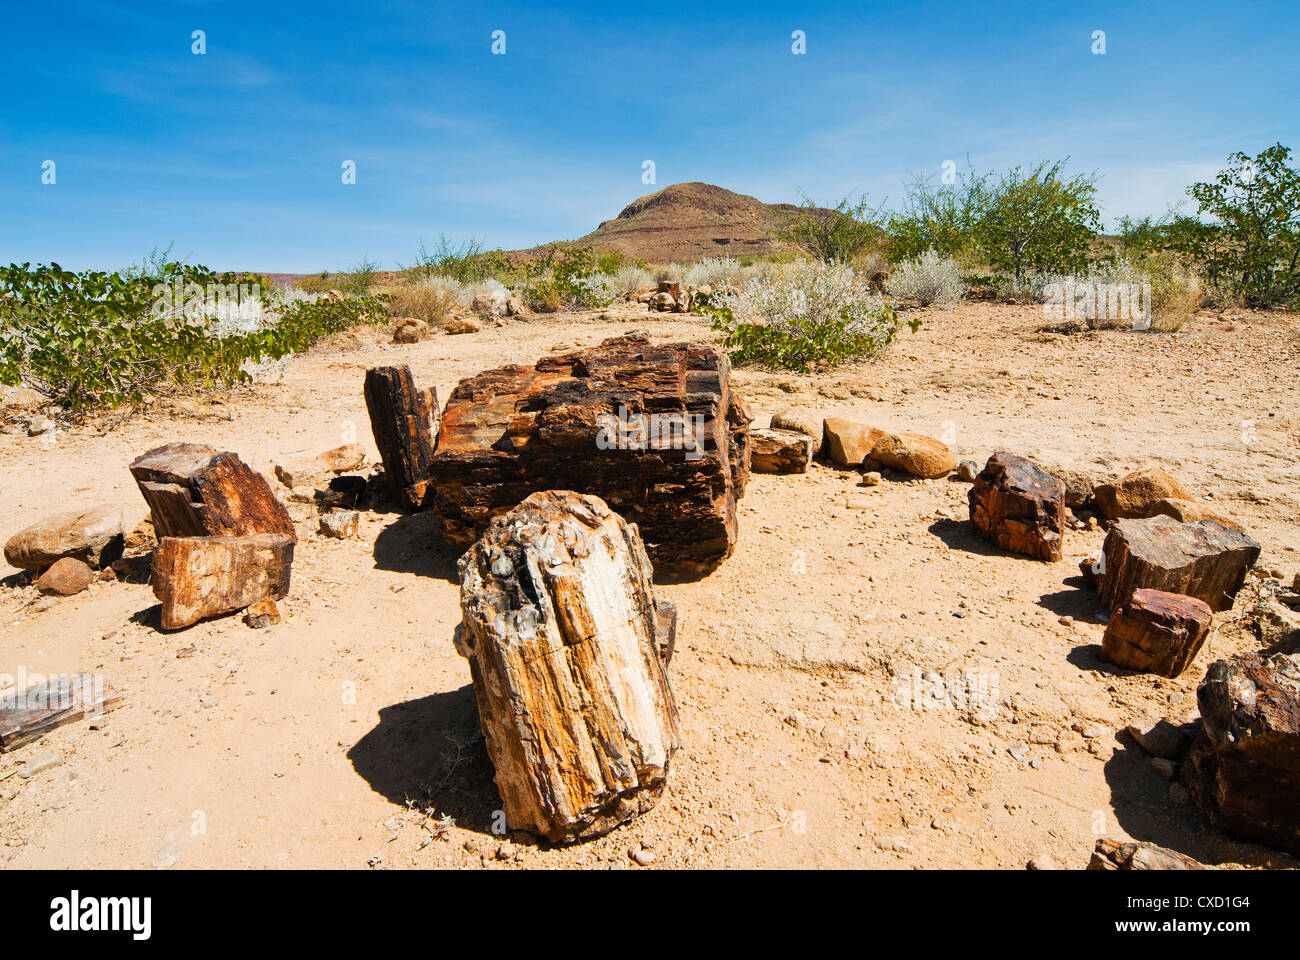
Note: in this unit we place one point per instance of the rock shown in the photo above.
(870, 479)
(136, 568)
(918, 455)
(1189, 511)
(558, 626)
(141, 537)
(197, 491)
(1277, 626)
(404, 421)
(38, 426)
(515, 306)
(652, 429)
(893, 844)
(1204, 560)
(641, 857)
(340, 524)
(262, 614)
(1243, 769)
(807, 422)
(1115, 855)
(779, 451)
(347, 491)
(44, 762)
(1156, 632)
(1163, 740)
(199, 577)
(967, 470)
(462, 325)
(410, 330)
(1019, 507)
(95, 536)
(1135, 494)
(1078, 486)
(301, 474)
(848, 443)
(490, 304)
(65, 577)
(344, 459)
(1042, 861)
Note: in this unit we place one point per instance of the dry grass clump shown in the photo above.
(432, 299)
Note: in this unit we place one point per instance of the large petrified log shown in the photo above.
(1205, 560)
(194, 490)
(199, 577)
(654, 430)
(1156, 632)
(1243, 769)
(559, 628)
(404, 421)
(1018, 506)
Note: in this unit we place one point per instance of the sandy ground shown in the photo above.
(344, 736)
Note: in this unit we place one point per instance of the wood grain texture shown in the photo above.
(404, 421)
(1156, 632)
(199, 577)
(562, 633)
(194, 490)
(1204, 560)
(28, 715)
(1019, 507)
(779, 451)
(558, 425)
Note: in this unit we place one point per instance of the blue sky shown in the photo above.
(234, 156)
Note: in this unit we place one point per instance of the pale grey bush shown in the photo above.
(929, 279)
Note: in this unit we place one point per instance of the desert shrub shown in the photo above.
(809, 314)
(834, 234)
(930, 278)
(1030, 288)
(611, 261)
(98, 339)
(627, 280)
(322, 282)
(1038, 221)
(466, 262)
(713, 272)
(563, 277)
(942, 217)
(1165, 294)
(360, 278)
(430, 299)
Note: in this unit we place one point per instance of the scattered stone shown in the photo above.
(38, 426)
(1137, 492)
(346, 491)
(779, 451)
(871, 478)
(848, 443)
(65, 577)
(262, 614)
(1042, 861)
(642, 858)
(1204, 560)
(461, 325)
(1078, 486)
(558, 627)
(893, 844)
(1277, 626)
(199, 577)
(410, 330)
(807, 422)
(1019, 507)
(1163, 740)
(919, 455)
(1243, 769)
(967, 471)
(404, 421)
(142, 537)
(1163, 767)
(137, 568)
(27, 716)
(1156, 632)
(301, 475)
(341, 524)
(95, 536)
(348, 457)
(42, 763)
(1116, 855)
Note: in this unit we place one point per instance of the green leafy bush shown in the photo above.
(99, 339)
(564, 277)
(835, 234)
(466, 262)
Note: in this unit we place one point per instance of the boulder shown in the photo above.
(344, 459)
(801, 421)
(65, 577)
(95, 536)
(847, 442)
(1017, 506)
(1156, 632)
(460, 325)
(410, 330)
(779, 451)
(919, 455)
(1078, 486)
(1134, 495)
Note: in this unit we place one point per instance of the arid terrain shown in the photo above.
(343, 737)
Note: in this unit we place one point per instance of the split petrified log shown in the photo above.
(1205, 560)
(30, 714)
(195, 490)
(1113, 855)
(559, 628)
(404, 421)
(654, 430)
(1019, 507)
(779, 451)
(1156, 632)
(199, 577)
(1243, 769)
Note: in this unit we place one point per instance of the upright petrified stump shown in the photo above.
(404, 421)
(1243, 769)
(654, 430)
(1019, 507)
(195, 490)
(1156, 632)
(1205, 560)
(559, 624)
(199, 577)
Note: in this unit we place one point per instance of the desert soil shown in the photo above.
(342, 737)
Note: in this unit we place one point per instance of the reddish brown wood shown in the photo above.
(199, 577)
(404, 421)
(1156, 632)
(1019, 507)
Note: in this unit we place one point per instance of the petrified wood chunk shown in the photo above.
(1205, 560)
(1113, 855)
(195, 490)
(779, 451)
(404, 421)
(30, 714)
(199, 577)
(559, 628)
(1018, 506)
(1156, 632)
(1243, 769)
(652, 429)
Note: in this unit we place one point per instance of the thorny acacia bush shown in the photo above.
(99, 339)
(929, 279)
(805, 315)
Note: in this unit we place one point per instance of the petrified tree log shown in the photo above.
(30, 714)
(1113, 855)
(1205, 560)
(1156, 632)
(404, 421)
(654, 430)
(199, 577)
(559, 628)
(1019, 507)
(779, 451)
(194, 490)
(1243, 769)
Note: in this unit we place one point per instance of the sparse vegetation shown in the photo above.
(564, 277)
(835, 234)
(929, 279)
